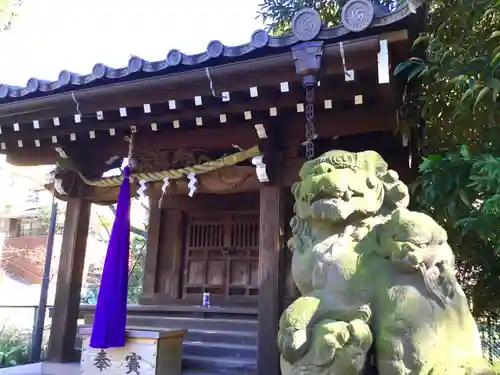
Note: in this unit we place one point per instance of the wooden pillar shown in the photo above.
(170, 259)
(271, 280)
(164, 254)
(69, 281)
(153, 242)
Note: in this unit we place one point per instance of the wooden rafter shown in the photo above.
(328, 124)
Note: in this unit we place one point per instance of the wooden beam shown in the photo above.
(288, 169)
(328, 123)
(208, 202)
(69, 281)
(271, 280)
(334, 89)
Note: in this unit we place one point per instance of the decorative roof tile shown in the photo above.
(357, 16)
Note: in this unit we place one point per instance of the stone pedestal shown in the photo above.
(144, 353)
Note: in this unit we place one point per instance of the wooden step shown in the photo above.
(219, 341)
(223, 336)
(179, 310)
(200, 335)
(220, 365)
(193, 323)
(208, 349)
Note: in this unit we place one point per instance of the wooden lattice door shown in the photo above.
(222, 256)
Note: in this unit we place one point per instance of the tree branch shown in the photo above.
(103, 225)
(133, 229)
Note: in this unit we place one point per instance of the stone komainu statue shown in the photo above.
(374, 278)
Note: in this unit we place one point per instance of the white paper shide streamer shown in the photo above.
(166, 182)
(192, 185)
(142, 189)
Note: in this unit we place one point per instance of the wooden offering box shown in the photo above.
(144, 353)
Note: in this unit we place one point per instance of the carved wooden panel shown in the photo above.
(163, 159)
(222, 255)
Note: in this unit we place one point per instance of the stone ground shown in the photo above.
(43, 369)
(57, 369)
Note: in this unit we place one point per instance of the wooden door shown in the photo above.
(222, 256)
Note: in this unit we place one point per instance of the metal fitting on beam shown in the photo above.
(307, 57)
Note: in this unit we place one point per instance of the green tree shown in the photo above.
(453, 85)
(102, 231)
(136, 274)
(459, 182)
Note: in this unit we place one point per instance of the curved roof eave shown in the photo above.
(261, 45)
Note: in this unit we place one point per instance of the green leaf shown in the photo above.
(445, 55)
(468, 93)
(402, 66)
(422, 38)
(416, 71)
(425, 165)
(458, 79)
(494, 84)
(488, 12)
(495, 60)
(417, 60)
(494, 34)
(464, 151)
(482, 94)
(425, 72)
(435, 157)
(495, 51)
(463, 197)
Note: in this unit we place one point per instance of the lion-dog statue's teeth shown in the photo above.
(374, 276)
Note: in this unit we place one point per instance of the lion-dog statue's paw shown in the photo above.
(351, 358)
(336, 348)
(294, 328)
(328, 346)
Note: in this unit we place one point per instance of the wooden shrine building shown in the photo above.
(227, 126)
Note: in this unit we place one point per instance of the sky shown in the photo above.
(54, 35)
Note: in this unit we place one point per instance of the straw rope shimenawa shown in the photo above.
(176, 174)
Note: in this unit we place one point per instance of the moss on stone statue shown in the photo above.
(373, 275)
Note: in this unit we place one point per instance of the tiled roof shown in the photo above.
(216, 53)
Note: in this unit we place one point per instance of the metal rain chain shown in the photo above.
(306, 25)
(310, 131)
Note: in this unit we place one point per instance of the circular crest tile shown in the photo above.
(306, 24)
(99, 70)
(260, 38)
(33, 84)
(4, 90)
(357, 15)
(64, 77)
(174, 57)
(215, 49)
(135, 64)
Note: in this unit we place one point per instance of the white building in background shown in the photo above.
(21, 190)
(22, 240)
(24, 214)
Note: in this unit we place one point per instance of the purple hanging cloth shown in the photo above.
(110, 318)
